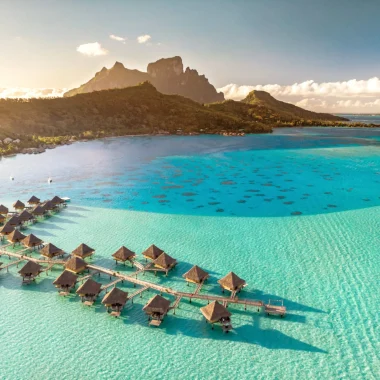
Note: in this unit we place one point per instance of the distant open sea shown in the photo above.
(295, 213)
(362, 118)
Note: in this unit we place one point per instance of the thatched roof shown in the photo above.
(57, 200)
(38, 211)
(2, 218)
(214, 312)
(33, 200)
(18, 205)
(25, 216)
(83, 251)
(152, 252)
(30, 268)
(75, 264)
(3, 210)
(48, 206)
(15, 236)
(50, 250)
(89, 288)
(66, 279)
(14, 221)
(32, 241)
(196, 274)
(116, 297)
(6, 229)
(164, 261)
(157, 304)
(123, 254)
(232, 282)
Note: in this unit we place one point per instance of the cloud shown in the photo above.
(117, 38)
(22, 92)
(345, 96)
(143, 39)
(92, 49)
(350, 88)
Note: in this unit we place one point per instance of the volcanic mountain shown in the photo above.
(167, 75)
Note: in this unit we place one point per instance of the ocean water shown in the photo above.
(296, 214)
(362, 118)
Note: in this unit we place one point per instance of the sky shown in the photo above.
(320, 54)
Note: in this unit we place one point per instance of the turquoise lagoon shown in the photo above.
(296, 214)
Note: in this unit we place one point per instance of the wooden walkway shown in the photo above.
(113, 283)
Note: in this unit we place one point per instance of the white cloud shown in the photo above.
(143, 39)
(117, 38)
(92, 49)
(22, 92)
(350, 88)
(351, 95)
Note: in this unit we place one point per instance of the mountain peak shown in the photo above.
(118, 65)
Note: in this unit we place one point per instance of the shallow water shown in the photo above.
(296, 214)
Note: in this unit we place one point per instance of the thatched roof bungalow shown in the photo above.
(48, 206)
(15, 221)
(6, 229)
(65, 282)
(124, 254)
(30, 271)
(50, 251)
(89, 291)
(164, 261)
(3, 210)
(232, 282)
(25, 216)
(15, 237)
(32, 241)
(18, 205)
(152, 252)
(217, 313)
(57, 201)
(38, 211)
(76, 265)
(115, 299)
(196, 275)
(157, 307)
(33, 201)
(83, 251)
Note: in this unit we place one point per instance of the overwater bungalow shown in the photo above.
(152, 252)
(15, 221)
(232, 282)
(34, 201)
(57, 201)
(76, 265)
(15, 237)
(65, 282)
(166, 262)
(50, 251)
(124, 254)
(38, 211)
(48, 206)
(6, 230)
(157, 307)
(4, 210)
(83, 251)
(115, 299)
(89, 291)
(18, 205)
(32, 241)
(196, 275)
(217, 313)
(30, 271)
(25, 216)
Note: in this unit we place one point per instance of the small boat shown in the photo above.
(66, 199)
(50, 180)
(12, 178)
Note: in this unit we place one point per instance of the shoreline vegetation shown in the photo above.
(31, 126)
